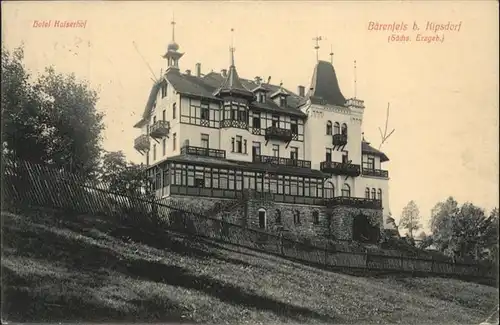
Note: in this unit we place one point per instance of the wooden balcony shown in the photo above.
(159, 129)
(141, 143)
(281, 161)
(339, 139)
(354, 202)
(206, 152)
(339, 168)
(375, 172)
(277, 133)
(229, 123)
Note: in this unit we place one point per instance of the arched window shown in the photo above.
(379, 196)
(346, 190)
(296, 217)
(374, 193)
(315, 217)
(344, 129)
(336, 128)
(262, 218)
(367, 193)
(329, 128)
(277, 217)
(329, 190)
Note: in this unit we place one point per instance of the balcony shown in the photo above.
(141, 143)
(339, 168)
(354, 202)
(354, 102)
(229, 123)
(206, 152)
(159, 129)
(277, 133)
(339, 139)
(375, 172)
(281, 161)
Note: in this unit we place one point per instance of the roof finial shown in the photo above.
(331, 54)
(317, 39)
(231, 48)
(355, 80)
(173, 27)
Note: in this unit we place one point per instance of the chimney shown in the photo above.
(223, 72)
(258, 80)
(188, 72)
(198, 69)
(301, 91)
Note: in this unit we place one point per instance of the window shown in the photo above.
(315, 216)
(276, 121)
(328, 155)
(294, 153)
(164, 90)
(199, 182)
(346, 190)
(374, 194)
(344, 129)
(164, 147)
(329, 128)
(164, 115)
(174, 141)
(245, 146)
(336, 128)
(276, 150)
(329, 190)
(255, 148)
(256, 120)
(294, 126)
(205, 141)
(277, 217)
(379, 194)
(232, 144)
(174, 110)
(154, 119)
(371, 163)
(262, 218)
(367, 193)
(345, 157)
(282, 101)
(239, 144)
(296, 217)
(154, 151)
(205, 113)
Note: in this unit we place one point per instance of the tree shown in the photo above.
(51, 120)
(410, 218)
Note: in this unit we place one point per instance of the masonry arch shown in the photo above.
(262, 214)
(329, 190)
(363, 231)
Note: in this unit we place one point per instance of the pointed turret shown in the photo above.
(325, 88)
(172, 55)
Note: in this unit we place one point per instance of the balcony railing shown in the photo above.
(281, 161)
(277, 133)
(200, 151)
(339, 139)
(141, 143)
(159, 129)
(339, 168)
(356, 202)
(354, 102)
(234, 124)
(375, 172)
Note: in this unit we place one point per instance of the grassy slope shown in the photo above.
(72, 271)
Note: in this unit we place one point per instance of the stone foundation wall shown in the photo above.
(342, 220)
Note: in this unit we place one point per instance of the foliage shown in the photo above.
(51, 120)
(410, 218)
(464, 231)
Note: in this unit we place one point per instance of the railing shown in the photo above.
(375, 172)
(339, 139)
(355, 103)
(355, 202)
(200, 151)
(339, 168)
(28, 185)
(141, 143)
(229, 123)
(159, 129)
(274, 132)
(281, 161)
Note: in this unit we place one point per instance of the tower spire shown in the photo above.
(317, 39)
(173, 27)
(231, 48)
(355, 80)
(173, 55)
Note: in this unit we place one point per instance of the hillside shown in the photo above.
(61, 268)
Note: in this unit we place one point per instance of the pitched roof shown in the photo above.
(325, 86)
(366, 148)
(232, 84)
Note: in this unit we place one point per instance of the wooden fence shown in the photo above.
(28, 184)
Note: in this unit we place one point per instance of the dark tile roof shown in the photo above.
(325, 86)
(366, 148)
(226, 163)
(232, 85)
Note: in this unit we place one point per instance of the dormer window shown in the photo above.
(282, 101)
(164, 90)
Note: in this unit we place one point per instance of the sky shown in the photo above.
(443, 95)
